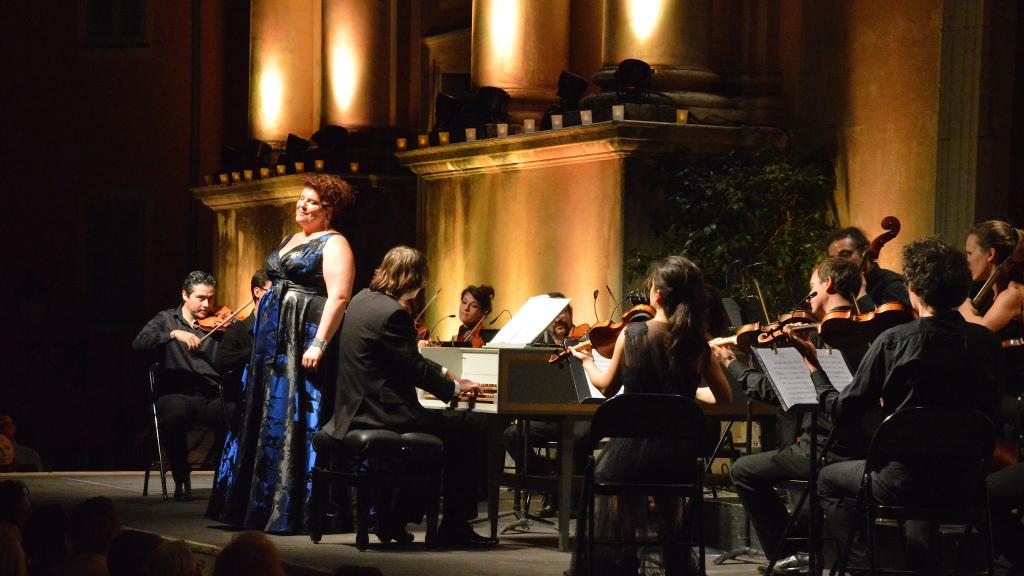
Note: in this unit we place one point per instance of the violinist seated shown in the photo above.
(474, 307)
(541, 431)
(235, 347)
(988, 245)
(882, 285)
(938, 359)
(756, 476)
(188, 384)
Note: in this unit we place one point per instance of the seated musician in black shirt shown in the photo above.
(188, 384)
(543, 431)
(235, 347)
(381, 367)
(939, 359)
(755, 476)
(882, 285)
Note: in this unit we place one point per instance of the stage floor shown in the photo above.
(532, 553)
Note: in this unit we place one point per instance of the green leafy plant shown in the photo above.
(734, 211)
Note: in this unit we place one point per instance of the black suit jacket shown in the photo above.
(381, 367)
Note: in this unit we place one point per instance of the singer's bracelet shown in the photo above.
(318, 343)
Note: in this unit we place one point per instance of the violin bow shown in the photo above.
(225, 321)
(427, 305)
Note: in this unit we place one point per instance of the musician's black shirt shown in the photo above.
(940, 360)
(886, 286)
(180, 372)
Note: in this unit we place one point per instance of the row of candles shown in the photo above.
(279, 170)
(529, 127)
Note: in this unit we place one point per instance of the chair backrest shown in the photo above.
(648, 416)
(154, 373)
(929, 434)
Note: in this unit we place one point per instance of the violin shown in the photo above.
(844, 329)
(891, 225)
(220, 320)
(473, 337)
(602, 335)
(757, 334)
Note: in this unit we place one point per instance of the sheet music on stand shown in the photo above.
(789, 377)
(602, 364)
(532, 319)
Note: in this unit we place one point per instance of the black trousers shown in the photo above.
(464, 461)
(541, 432)
(179, 412)
(839, 484)
(755, 478)
(1006, 493)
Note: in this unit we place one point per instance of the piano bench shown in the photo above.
(374, 459)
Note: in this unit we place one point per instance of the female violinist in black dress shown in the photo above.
(668, 354)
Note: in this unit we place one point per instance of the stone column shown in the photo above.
(755, 75)
(357, 61)
(674, 37)
(521, 46)
(285, 62)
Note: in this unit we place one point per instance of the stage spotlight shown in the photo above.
(634, 77)
(256, 153)
(570, 89)
(446, 107)
(492, 103)
(295, 145)
(332, 137)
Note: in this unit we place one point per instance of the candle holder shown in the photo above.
(236, 176)
(281, 169)
(442, 138)
(618, 112)
(247, 175)
(300, 167)
(422, 141)
(556, 121)
(224, 178)
(682, 116)
(586, 117)
(353, 167)
(401, 144)
(529, 126)
(318, 165)
(470, 134)
(264, 172)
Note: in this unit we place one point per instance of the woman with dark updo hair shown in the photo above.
(988, 244)
(263, 481)
(667, 354)
(473, 308)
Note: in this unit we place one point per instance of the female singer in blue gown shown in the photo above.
(263, 480)
(668, 354)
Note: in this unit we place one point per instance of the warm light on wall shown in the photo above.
(644, 16)
(504, 22)
(271, 94)
(345, 71)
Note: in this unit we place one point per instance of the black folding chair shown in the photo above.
(649, 416)
(154, 371)
(962, 440)
(158, 461)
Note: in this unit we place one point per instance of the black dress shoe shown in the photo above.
(794, 565)
(396, 534)
(548, 511)
(463, 537)
(182, 492)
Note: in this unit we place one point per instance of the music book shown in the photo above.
(788, 374)
(532, 319)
